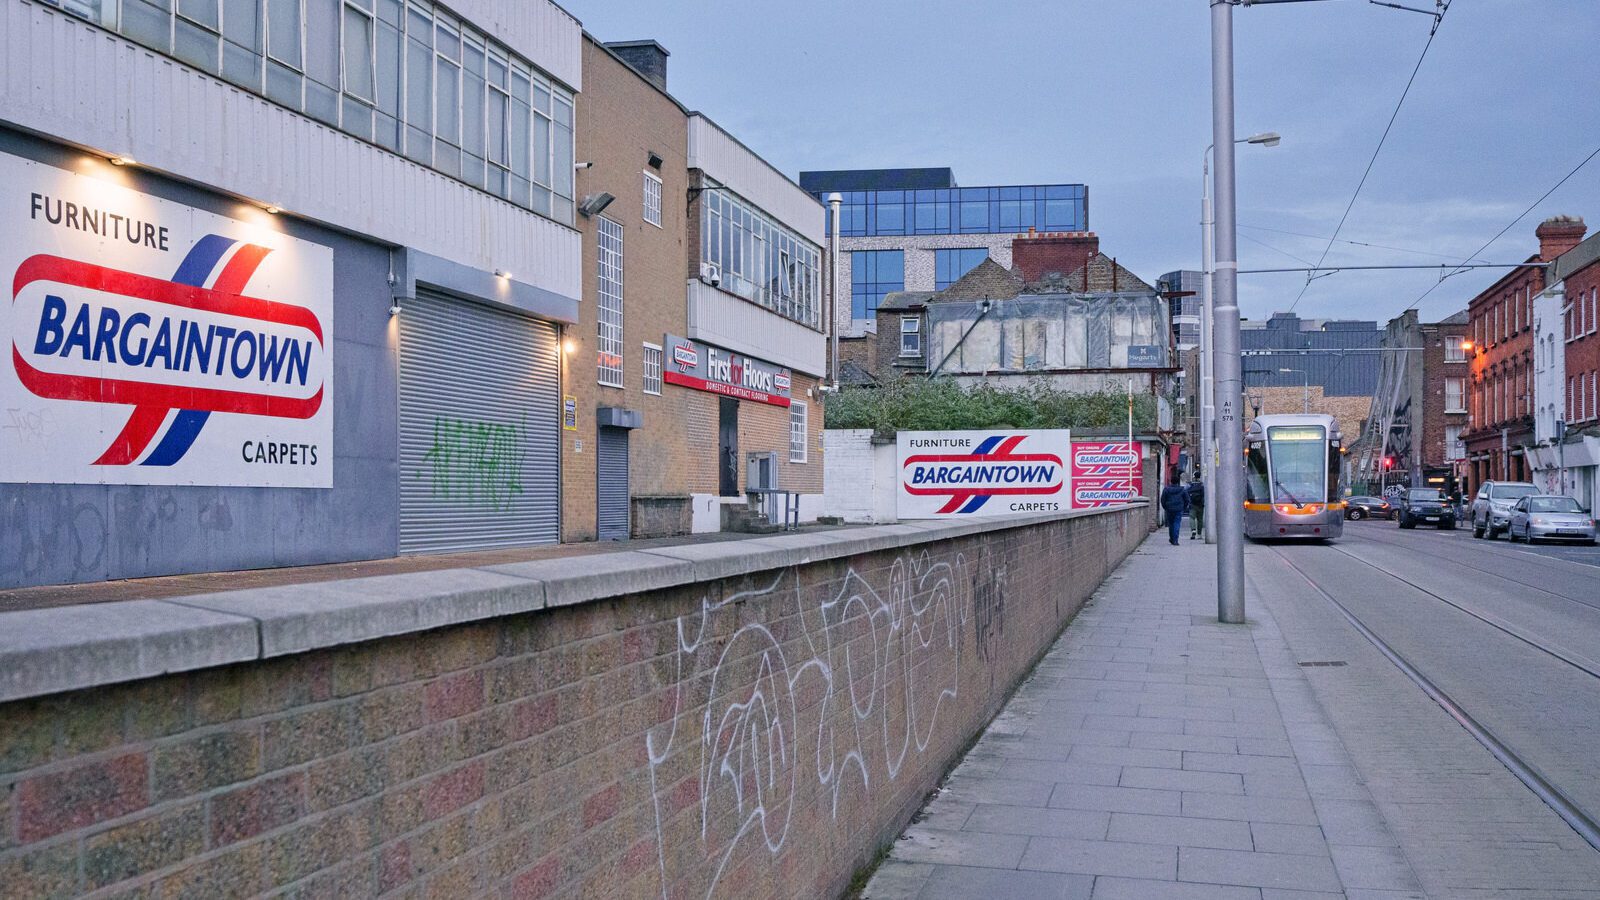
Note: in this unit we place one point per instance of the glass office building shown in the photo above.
(977, 210)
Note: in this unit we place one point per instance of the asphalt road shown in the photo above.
(1510, 632)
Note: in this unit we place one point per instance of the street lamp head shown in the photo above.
(1265, 139)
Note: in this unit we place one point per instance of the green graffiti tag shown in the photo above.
(478, 462)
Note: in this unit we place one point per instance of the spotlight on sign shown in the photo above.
(122, 161)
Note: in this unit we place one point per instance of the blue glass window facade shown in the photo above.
(874, 273)
(977, 210)
(950, 265)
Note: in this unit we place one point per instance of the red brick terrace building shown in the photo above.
(1500, 325)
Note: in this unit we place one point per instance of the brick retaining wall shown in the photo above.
(738, 729)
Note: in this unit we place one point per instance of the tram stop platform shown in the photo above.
(1155, 753)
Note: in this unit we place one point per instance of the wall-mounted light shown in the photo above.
(582, 165)
(394, 309)
(569, 346)
(654, 159)
(123, 160)
(502, 273)
(273, 208)
(594, 204)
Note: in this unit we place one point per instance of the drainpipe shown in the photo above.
(834, 200)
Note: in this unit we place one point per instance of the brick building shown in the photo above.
(700, 343)
(1500, 327)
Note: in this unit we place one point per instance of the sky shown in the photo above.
(1115, 94)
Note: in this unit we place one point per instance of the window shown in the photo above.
(1452, 348)
(1453, 448)
(950, 265)
(910, 335)
(1594, 309)
(652, 369)
(797, 431)
(760, 259)
(609, 242)
(873, 274)
(652, 199)
(403, 75)
(1454, 402)
(975, 210)
(1572, 396)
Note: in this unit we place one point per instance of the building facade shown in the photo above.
(916, 230)
(1417, 413)
(310, 279)
(1500, 323)
(317, 282)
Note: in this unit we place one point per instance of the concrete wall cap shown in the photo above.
(50, 651)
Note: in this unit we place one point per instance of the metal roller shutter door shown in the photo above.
(479, 438)
(611, 462)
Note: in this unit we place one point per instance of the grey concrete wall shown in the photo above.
(67, 533)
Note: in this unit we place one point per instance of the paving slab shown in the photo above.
(1150, 755)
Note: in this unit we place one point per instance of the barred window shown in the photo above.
(609, 243)
(652, 199)
(652, 368)
(797, 431)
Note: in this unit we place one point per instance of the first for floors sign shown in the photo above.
(703, 367)
(154, 343)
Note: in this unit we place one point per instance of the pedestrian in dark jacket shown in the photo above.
(1197, 508)
(1174, 503)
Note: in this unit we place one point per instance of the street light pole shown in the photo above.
(1229, 487)
(1208, 399)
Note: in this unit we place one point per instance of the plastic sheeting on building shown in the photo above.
(1044, 332)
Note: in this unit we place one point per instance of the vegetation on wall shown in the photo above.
(941, 404)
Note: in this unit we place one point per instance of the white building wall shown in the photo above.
(718, 317)
(78, 83)
(733, 165)
(538, 30)
(858, 476)
(1549, 361)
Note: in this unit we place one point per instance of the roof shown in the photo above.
(1578, 257)
(854, 374)
(904, 300)
(877, 179)
(988, 280)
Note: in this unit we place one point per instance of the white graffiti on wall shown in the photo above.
(798, 708)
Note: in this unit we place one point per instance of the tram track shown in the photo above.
(1580, 820)
(1582, 663)
(1456, 561)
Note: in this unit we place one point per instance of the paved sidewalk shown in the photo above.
(1155, 754)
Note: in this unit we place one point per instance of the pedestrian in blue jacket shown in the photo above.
(1174, 503)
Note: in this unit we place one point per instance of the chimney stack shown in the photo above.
(1035, 255)
(1558, 234)
(647, 57)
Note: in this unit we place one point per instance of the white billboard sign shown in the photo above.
(154, 343)
(983, 473)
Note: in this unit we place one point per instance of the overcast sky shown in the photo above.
(1116, 94)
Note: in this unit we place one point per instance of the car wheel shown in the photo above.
(1490, 532)
(1357, 514)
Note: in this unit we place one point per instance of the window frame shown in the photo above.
(1452, 349)
(915, 331)
(1461, 394)
(650, 373)
(609, 343)
(645, 198)
(804, 430)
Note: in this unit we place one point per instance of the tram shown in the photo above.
(1291, 480)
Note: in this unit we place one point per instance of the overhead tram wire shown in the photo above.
(1444, 8)
(1510, 225)
(1344, 241)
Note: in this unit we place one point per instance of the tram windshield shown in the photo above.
(1299, 459)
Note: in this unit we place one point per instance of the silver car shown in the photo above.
(1491, 511)
(1550, 517)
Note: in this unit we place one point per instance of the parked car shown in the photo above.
(1540, 517)
(1425, 504)
(1357, 508)
(1491, 509)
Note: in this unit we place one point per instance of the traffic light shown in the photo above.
(1388, 463)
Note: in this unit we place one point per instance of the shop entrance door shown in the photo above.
(727, 447)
